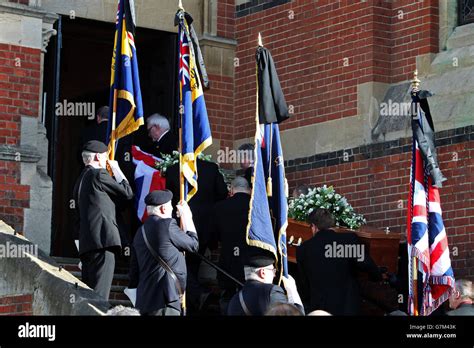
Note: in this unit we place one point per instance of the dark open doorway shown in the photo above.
(84, 76)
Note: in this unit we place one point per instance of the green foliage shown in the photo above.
(327, 198)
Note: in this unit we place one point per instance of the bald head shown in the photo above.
(240, 184)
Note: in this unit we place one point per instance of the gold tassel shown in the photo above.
(269, 187)
(287, 190)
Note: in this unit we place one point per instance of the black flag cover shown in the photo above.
(424, 135)
(272, 105)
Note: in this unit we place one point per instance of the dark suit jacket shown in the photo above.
(166, 145)
(229, 227)
(96, 204)
(258, 297)
(95, 132)
(211, 189)
(155, 287)
(330, 283)
(248, 175)
(464, 310)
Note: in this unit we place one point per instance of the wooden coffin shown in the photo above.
(381, 246)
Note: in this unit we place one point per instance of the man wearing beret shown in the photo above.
(259, 293)
(158, 267)
(96, 194)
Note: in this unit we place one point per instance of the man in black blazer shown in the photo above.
(259, 293)
(96, 194)
(229, 227)
(164, 141)
(328, 265)
(211, 189)
(158, 293)
(246, 154)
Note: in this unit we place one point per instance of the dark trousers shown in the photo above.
(194, 289)
(98, 268)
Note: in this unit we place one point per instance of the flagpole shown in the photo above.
(114, 116)
(415, 85)
(181, 175)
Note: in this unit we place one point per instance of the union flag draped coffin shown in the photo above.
(147, 179)
(126, 110)
(428, 252)
(194, 122)
(268, 205)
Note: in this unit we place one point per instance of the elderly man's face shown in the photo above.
(102, 159)
(167, 210)
(454, 299)
(154, 132)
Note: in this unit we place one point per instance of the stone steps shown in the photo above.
(119, 283)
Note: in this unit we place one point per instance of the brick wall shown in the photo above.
(219, 102)
(375, 180)
(19, 89)
(324, 49)
(16, 305)
(415, 34)
(226, 18)
(23, 2)
(220, 97)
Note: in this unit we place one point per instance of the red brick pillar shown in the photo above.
(25, 33)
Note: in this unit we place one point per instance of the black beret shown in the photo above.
(95, 147)
(158, 197)
(260, 258)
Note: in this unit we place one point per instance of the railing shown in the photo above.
(465, 12)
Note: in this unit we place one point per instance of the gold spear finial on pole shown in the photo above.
(415, 83)
(260, 43)
(180, 5)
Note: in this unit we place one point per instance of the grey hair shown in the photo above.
(152, 209)
(122, 311)
(240, 184)
(158, 120)
(465, 288)
(87, 157)
(251, 272)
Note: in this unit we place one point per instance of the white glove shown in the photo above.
(184, 212)
(291, 291)
(118, 174)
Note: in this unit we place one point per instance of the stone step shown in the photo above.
(119, 279)
(71, 264)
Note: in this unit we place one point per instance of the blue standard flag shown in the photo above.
(195, 129)
(126, 110)
(268, 216)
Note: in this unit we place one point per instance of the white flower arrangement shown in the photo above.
(325, 197)
(170, 160)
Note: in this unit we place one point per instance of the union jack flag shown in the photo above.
(183, 58)
(426, 238)
(147, 179)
